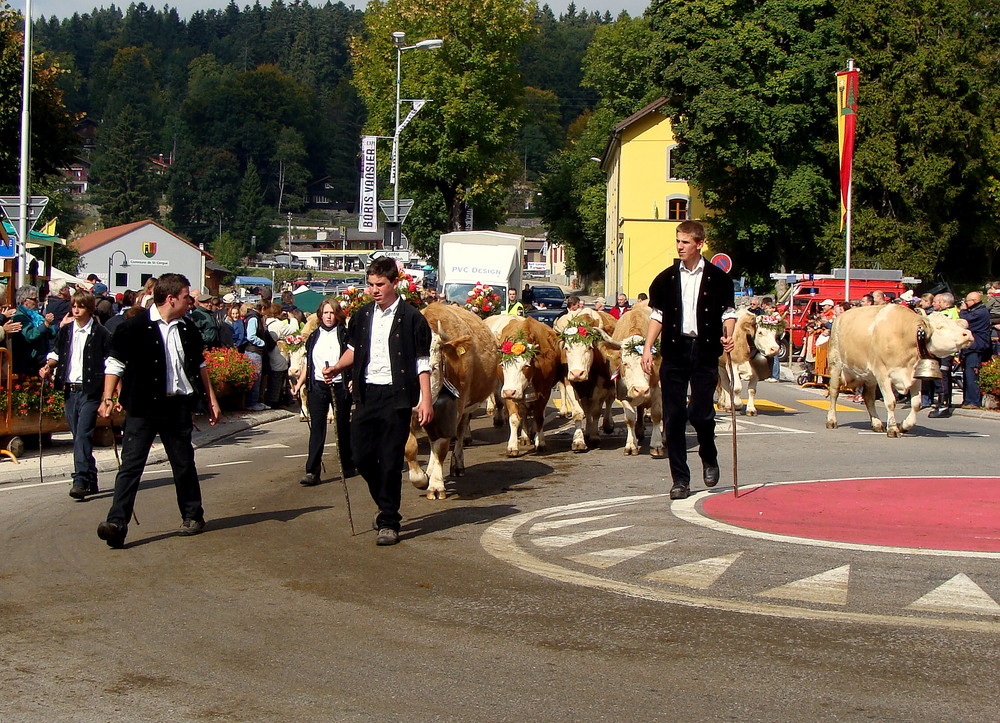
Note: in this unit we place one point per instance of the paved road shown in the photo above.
(487, 611)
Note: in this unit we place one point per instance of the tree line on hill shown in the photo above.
(252, 103)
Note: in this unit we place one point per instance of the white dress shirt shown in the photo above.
(326, 351)
(77, 341)
(177, 381)
(379, 364)
(690, 286)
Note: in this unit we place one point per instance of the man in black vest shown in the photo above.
(388, 352)
(76, 366)
(692, 304)
(157, 357)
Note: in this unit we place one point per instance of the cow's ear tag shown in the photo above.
(461, 350)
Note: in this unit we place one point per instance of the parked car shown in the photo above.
(551, 296)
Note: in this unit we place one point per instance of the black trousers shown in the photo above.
(320, 398)
(378, 435)
(173, 424)
(676, 375)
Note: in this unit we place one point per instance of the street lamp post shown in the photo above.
(289, 239)
(392, 228)
(111, 260)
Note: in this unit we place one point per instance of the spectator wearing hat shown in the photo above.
(826, 310)
(105, 306)
(204, 320)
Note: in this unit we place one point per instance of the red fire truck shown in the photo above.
(807, 291)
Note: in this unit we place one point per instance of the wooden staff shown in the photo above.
(732, 412)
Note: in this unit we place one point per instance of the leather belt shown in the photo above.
(70, 387)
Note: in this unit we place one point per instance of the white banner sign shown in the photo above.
(368, 206)
(394, 166)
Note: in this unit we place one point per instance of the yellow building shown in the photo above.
(646, 201)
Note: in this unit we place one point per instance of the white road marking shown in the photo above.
(295, 456)
(556, 524)
(228, 464)
(699, 575)
(498, 540)
(564, 540)
(687, 510)
(11, 488)
(270, 446)
(607, 558)
(958, 595)
(828, 587)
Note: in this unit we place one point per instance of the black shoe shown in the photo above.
(113, 534)
(78, 491)
(940, 412)
(679, 492)
(386, 536)
(309, 479)
(350, 472)
(192, 527)
(93, 489)
(711, 475)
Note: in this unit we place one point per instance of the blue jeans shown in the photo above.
(81, 415)
(970, 365)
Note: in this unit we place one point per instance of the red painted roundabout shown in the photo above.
(930, 513)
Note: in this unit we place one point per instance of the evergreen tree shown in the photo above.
(228, 252)
(252, 213)
(126, 189)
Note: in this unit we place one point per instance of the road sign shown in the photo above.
(12, 207)
(405, 204)
(723, 262)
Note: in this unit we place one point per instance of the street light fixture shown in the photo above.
(111, 260)
(392, 228)
(289, 239)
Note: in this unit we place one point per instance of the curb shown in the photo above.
(60, 464)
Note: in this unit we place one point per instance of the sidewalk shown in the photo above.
(57, 459)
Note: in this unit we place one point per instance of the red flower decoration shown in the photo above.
(506, 346)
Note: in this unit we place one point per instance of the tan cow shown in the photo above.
(878, 345)
(588, 375)
(607, 323)
(527, 379)
(754, 339)
(494, 405)
(636, 390)
(463, 358)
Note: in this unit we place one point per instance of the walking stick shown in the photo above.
(41, 409)
(732, 412)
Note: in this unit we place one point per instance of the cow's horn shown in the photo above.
(613, 343)
(441, 334)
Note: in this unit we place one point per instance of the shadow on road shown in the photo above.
(447, 519)
(225, 523)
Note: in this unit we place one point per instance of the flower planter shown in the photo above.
(231, 398)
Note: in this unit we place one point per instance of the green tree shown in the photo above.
(926, 153)
(459, 150)
(228, 252)
(291, 175)
(126, 189)
(252, 213)
(751, 87)
(52, 137)
(201, 184)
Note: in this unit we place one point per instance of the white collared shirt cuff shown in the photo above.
(52, 356)
(423, 364)
(730, 313)
(113, 366)
(656, 315)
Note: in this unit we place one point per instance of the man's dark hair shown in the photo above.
(384, 266)
(642, 296)
(572, 300)
(169, 285)
(128, 298)
(693, 228)
(85, 300)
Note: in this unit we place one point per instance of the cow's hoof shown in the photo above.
(420, 481)
(436, 494)
(629, 451)
(579, 446)
(894, 432)
(512, 452)
(751, 412)
(656, 452)
(830, 424)
(877, 426)
(608, 429)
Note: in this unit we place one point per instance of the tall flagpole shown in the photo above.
(847, 113)
(22, 223)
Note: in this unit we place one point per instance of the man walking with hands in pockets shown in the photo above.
(692, 305)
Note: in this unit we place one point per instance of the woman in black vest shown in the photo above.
(323, 349)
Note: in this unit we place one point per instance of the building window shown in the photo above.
(144, 278)
(672, 155)
(121, 279)
(677, 208)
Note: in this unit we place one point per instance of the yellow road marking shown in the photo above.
(825, 404)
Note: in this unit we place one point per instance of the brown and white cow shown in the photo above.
(589, 387)
(463, 354)
(494, 404)
(607, 323)
(635, 389)
(878, 345)
(527, 379)
(754, 339)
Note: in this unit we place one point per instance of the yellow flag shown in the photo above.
(50, 228)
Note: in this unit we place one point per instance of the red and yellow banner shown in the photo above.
(847, 114)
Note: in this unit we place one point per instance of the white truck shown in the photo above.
(467, 258)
